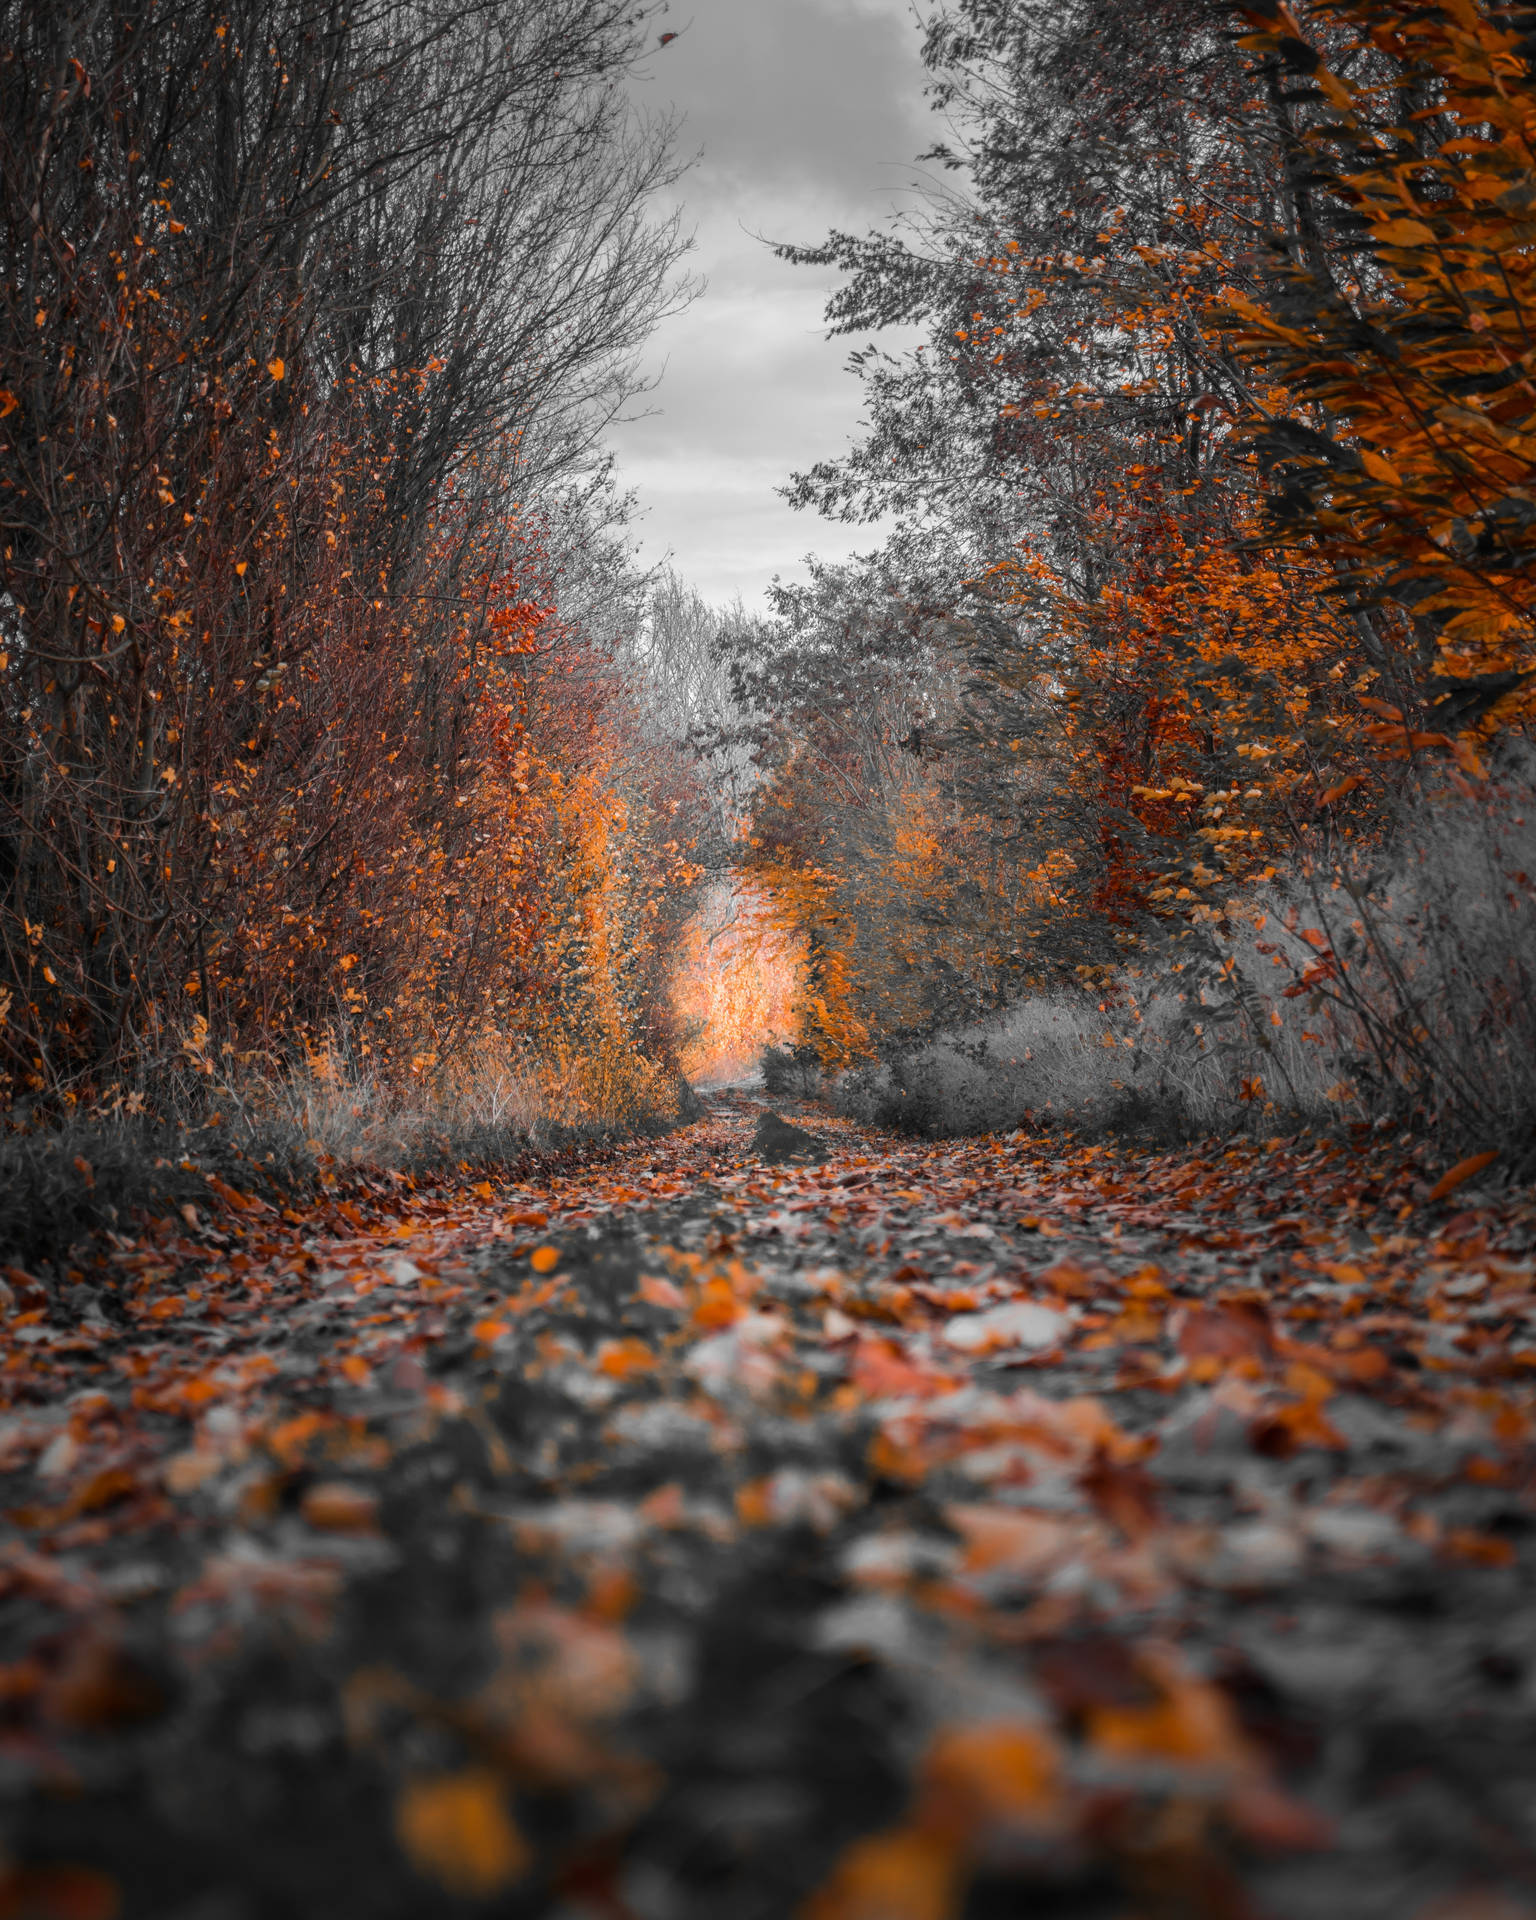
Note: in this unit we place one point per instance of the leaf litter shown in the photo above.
(834, 1526)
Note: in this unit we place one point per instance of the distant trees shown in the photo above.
(309, 314)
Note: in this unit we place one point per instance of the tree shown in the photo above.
(306, 310)
(1174, 308)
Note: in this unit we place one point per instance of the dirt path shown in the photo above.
(977, 1527)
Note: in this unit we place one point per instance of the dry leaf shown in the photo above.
(455, 1828)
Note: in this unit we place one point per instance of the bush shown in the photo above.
(795, 1071)
(1396, 988)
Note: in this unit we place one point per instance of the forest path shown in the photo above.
(677, 1535)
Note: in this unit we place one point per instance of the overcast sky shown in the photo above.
(809, 114)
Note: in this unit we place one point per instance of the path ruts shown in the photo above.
(968, 1528)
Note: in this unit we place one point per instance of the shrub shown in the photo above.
(791, 1070)
(1397, 987)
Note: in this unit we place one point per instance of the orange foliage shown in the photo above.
(304, 755)
(1411, 364)
(734, 987)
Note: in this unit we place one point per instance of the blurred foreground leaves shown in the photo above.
(913, 1533)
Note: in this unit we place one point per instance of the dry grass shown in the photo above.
(1398, 989)
(485, 1109)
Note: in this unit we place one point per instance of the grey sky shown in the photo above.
(809, 113)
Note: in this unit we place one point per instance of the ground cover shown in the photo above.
(890, 1531)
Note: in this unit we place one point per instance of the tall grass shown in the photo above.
(330, 1115)
(1397, 984)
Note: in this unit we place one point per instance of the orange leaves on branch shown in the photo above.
(1417, 487)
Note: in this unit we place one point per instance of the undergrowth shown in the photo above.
(280, 1139)
(1394, 988)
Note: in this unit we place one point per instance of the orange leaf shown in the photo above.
(718, 1305)
(456, 1829)
(1299, 1423)
(754, 1507)
(544, 1259)
(336, 1506)
(1270, 1818)
(1004, 1539)
(905, 1874)
(1463, 1170)
(1191, 1721)
(276, 368)
(243, 1202)
(1380, 469)
(621, 1358)
(1125, 1494)
(1404, 233)
(104, 1489)
(288, 1441)
(1231, 1330)
(666, 1507)
(1478, 1549)
(881, 1369)
(998, 1772)
(889, 1459)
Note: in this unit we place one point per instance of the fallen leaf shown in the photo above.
(906, 1874)
(1462, 1171)
(456, 1829)
(999, 1772)
(1017, 1323)
(336, 1506)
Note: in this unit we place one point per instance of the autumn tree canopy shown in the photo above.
(1209, 468)
(312, 318)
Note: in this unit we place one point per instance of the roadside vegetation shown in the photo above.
(1170, 764)
(342, 814)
